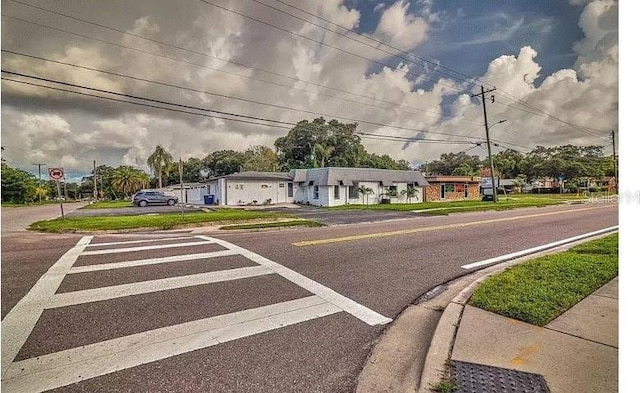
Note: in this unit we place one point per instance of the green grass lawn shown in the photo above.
(108, 205)
(539, 290)
(163, 221)
(459, 206)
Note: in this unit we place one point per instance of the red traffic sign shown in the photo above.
(56, 173)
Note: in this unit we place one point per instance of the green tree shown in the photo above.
(224, 162)
(365, 191)
(341, 147)
(261, 159)
(18, 186)
(322, 153)
(192, 171)
(410, 192)
(448, 163)
(129, 180)
(160, 163)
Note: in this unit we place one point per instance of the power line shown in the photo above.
(434, 64)
(323, 43)
(142, 104)
(395, 105)
(191, 107)
(407, 139)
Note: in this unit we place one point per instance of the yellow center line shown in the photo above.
(434, 228)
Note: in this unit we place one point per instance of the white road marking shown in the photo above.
(77, 364)
(138, 288)
(144, 248)
(19, 322)
(150, 261)
(139, 241)
(357, 310)
(533, 250)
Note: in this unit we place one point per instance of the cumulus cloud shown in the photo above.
(287, 78)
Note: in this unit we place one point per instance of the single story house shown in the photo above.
(253, 188)
(340, 186)
(448, 188)
(318, 186)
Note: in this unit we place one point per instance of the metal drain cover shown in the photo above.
(479, 378)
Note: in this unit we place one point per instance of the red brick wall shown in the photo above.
(432, 192)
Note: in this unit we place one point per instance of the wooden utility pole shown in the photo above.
(95, 182)
(486, 128)
(615, 163)
(40, 181)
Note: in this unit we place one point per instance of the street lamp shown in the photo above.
(493, 179)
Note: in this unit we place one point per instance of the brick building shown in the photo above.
(449, 188)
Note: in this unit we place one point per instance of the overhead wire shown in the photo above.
(295, 79)
(319, 42)
(142, 104)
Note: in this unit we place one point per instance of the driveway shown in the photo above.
(130, 211)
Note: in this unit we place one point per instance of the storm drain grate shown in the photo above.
(478, 378)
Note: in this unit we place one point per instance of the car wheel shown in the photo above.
(142, 203)
(171, 202)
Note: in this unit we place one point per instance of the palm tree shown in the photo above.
(410, 192)
(40, 192)
(322, 153)
(160, 162)
(364, 190)
(129, 180)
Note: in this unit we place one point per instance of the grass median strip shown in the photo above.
(539, 290)
(163, 221)
(275, 224)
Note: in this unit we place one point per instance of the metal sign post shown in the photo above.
(57, 174)
(182, 196)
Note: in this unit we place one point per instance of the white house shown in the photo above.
(339, 186)
(318, 186)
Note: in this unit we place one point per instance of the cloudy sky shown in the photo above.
(242, 71)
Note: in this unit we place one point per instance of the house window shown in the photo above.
(336, 192)
(393, 191)
(353, 191)
(290, 190)
(316, 192)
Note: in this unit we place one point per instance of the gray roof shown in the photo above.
(348, 176)
(254, 175)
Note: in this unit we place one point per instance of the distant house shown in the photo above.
(444, 188)
(318, 186)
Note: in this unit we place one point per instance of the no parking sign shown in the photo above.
(56, 173)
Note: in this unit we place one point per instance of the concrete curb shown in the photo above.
(439, 352)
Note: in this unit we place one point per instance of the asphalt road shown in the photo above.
(268, 327)
(17, 219)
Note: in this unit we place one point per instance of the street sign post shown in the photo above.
(57, 174)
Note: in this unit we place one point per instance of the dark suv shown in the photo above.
(153, 197)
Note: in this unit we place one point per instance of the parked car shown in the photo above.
(153, 197)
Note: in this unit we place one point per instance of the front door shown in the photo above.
(442, 191)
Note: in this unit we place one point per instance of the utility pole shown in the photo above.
(486, 128)
(95, 182)
(39, 181)
(615, 164)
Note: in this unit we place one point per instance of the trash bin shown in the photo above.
(208, 199)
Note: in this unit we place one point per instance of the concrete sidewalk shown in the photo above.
(441, 334)
(576, 352)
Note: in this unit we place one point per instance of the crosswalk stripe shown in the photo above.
(140, 241)
(151, 261)
(356, 309)
(97, 294)
(145, 248)
(19, 322)
(77, 364)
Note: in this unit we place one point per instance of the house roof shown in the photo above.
(452, 179)
(254, 175)
(348, 176)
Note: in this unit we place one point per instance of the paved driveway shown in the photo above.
(130, 211)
